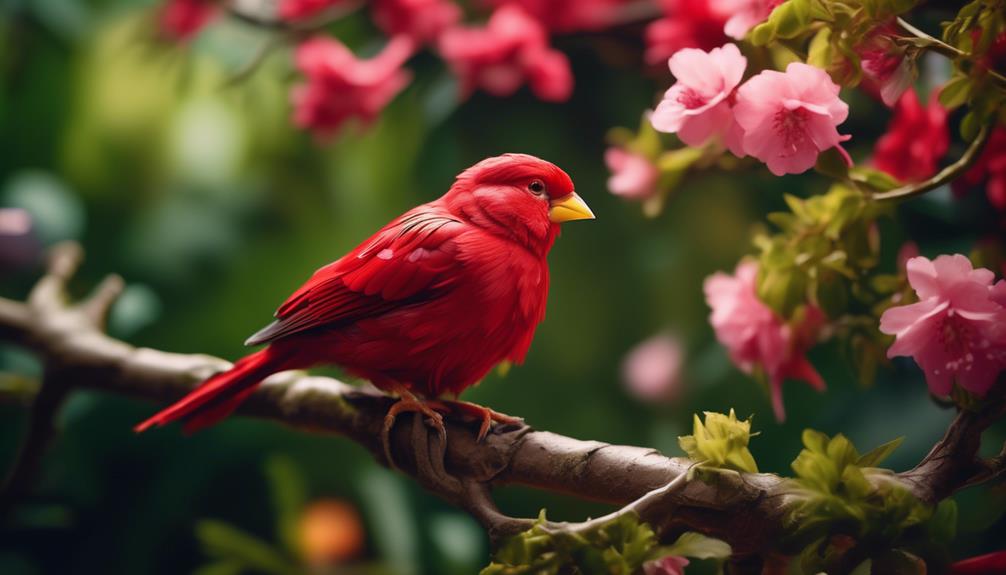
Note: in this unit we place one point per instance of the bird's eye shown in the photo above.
(536, 187)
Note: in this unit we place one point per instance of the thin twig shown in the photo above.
(944, 49)
(41, 430)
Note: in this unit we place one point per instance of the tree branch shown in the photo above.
(746, 510)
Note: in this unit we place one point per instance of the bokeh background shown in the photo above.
(214, 207)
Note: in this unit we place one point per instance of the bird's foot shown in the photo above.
(431, 455)
(480, 412)
(410, 403)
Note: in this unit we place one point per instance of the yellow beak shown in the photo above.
(569, 208)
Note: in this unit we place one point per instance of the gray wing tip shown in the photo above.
(263, 335)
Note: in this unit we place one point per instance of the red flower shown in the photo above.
(915, 141)
(512, 48)
(303, 9)
(422, 20)
(182, 19)
(989, 169)
(340, 86)
(687, 24)
(981, 565)
(564, 16)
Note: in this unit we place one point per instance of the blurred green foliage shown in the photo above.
(214, 208)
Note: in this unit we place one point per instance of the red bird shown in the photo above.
(425, 307)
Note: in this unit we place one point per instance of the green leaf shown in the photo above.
(229, 543)
(880, 453)
(220, 568)
(878, 180)
(943, 523)
(820, 52)
(970, 125)
(722, 442)
(956, 92)
(863, 568)
(698, 546)
(787, 20)
(832, 163)
(288, 498)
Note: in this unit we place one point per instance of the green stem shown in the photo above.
(934, 44)
(941, 47)
(945, 176)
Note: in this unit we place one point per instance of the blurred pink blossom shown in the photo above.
(916, 139)
(697, 106)
(511, 49)
(990, 169)
(423, 20)
(957, 330)
(884, 64)
(19, 245)
(743, 15)
(790, 117)
(652, 369)
(686, 24)
(754, 335)
(340, 86)
(182, 19)
(670, 565)
(907, 251)
(563, 16)
(633, 176)
(303, 9)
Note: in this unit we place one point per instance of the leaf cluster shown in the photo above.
(722, 442)
(619, 547)
(825, 246)
(974, 33)
(834, 27)
(840, 499)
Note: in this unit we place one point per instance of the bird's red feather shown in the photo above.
(432, 301)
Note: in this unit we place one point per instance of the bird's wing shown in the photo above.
(411, 259)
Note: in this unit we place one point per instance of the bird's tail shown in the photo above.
(219, 395)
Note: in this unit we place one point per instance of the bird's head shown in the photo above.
(517, 195)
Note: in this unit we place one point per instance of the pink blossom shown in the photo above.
(916, 139)
(670, 565)
(633, 175)
(990, 170)
(957, 330)
(884, 64)
(563, 16)
(652, 370)
(423, 20)
(743, 15)
(303, 9)
(697, 106)
(907, 251)
(790, 117)
(511, 49)
(754, 335)
(183, 19)
(686, 24)
(340, 86)
(19, 244)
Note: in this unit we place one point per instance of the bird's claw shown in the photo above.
(480, 412)
(430, 456)
(410, 403)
